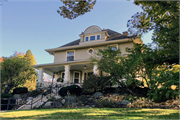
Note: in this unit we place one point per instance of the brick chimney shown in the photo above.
(125, 33)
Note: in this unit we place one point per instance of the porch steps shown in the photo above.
(28, 106)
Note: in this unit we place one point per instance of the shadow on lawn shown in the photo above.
(105, 113)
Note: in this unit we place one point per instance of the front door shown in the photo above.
(76, 77)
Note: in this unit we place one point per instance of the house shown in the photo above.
(71, 61)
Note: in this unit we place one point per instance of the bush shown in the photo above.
(164, 85)
(5, 101)
(94, 84)
(20, 90)
(106, 103)
(34, 93)
(73, 90)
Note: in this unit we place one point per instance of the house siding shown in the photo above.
(82, 54)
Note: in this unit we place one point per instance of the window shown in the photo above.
(98, 37)
(90, 51)
(87, 38)
(62, 75)
(70, 56)
(92, 37)
(76, 77)
(113, 47)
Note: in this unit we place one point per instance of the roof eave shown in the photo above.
(51, 51)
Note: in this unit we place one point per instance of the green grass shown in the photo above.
(92, 113)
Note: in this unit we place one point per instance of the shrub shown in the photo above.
(34, 93)
(73, 89)
(164, 85)
(94, 84)
(20, 90)
(106, 103)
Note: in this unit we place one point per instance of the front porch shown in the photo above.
(73, 72)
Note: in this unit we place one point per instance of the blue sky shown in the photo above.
(36, 25)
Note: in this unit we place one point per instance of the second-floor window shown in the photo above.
(70, 56)
(98, 37)
(92, 37)
(113, 47)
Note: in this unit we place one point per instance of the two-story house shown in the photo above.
(71, 61)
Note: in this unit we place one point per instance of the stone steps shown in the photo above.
(37, 103)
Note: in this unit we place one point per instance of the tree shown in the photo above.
(31, 79)
(74, 8)
(15, 71)
(112, 62)
(30, 57)
(142, 60)
(163, 18)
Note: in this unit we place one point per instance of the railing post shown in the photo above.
(31, 103)
(41, 97)
(8, 103)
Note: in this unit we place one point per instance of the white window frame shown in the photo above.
(114, 45)
(89, 37)
(74, 76)
(66, 55)
(88, 51)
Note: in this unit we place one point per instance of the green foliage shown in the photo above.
(106, 103)
(20, 90)
(164, 85)
(34, 93)
(163, 18)
(94, 84)
(74, 8)
(110, 61)
(30, 57)
(141, 61)
(16, 71)
(73, 90)
(3, 95)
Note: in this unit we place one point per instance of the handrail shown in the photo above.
(41, 97)
(8, 101)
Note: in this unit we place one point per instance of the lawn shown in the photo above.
(92, 113)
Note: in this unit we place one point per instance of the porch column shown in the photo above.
(66, 74)
(40, 75)
(95, 69)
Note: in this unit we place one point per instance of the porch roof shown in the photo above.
(75, 62)
(57, 67)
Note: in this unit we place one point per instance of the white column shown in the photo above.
(95, 69)
(40, 75)
(66, 74)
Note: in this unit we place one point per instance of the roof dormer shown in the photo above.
(93, 34)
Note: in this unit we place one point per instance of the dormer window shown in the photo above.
(87, 38)
(92, 38)
(98, 37)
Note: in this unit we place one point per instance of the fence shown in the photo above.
(9, 100)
